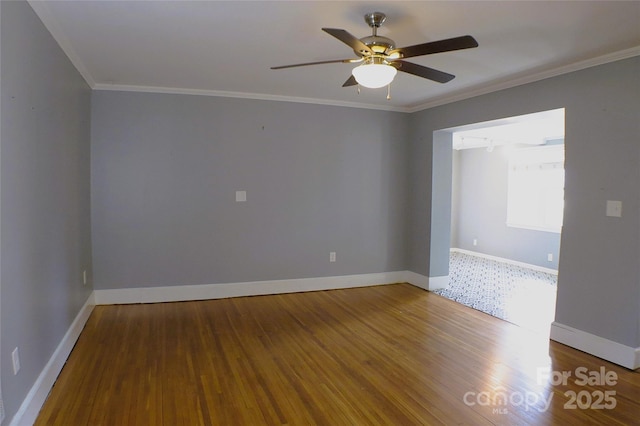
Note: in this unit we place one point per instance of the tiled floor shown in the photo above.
(516, 294)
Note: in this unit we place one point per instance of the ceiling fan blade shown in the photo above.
(422, 71)
(456, 43)
(351, 81)
(349, 39)
(332, 61)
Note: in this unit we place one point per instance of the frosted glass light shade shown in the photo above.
(374, 76)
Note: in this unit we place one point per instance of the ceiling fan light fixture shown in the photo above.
(374, 75)
(381, 60)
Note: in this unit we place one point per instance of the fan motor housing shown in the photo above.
(379, 44)
(380, 50)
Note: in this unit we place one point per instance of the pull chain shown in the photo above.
(358, 89)
(389, 91)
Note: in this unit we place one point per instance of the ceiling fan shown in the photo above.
(380, 60)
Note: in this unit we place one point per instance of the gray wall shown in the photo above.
(599, 276)
(319, 179)
(480, 211)
(165, 169)
(45, 214)
(441, 203)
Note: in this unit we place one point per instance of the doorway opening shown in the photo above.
(505, 216)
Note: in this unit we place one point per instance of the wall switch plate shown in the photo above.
(614, 208)
(241, 196)
(332, 256)
(15, 358)
(475, 241)
(84, 277)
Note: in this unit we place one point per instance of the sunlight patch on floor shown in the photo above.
(520, 295)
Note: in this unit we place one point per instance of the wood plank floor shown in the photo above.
(385, 355)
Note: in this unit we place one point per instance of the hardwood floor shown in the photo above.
(385, 355)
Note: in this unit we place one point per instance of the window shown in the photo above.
(535, 197)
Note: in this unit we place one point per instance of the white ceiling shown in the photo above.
(530, 129)
(227, 47)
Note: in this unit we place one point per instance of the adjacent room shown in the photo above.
(222, 212)
(507, 211)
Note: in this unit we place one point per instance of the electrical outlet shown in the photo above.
(332, 256)
(475, 241)
(550, 257)
(15, 358)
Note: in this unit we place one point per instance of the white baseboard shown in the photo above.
(426, 283)
(615, 352)
(438, 283)
(417, 280)
(31, 405)
(504, 260)
(255, 288)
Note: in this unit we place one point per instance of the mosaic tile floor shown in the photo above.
(513, 293)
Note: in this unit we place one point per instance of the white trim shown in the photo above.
(508, 83)
(46, 16)
(255, 288)
(555, 230)
(417, 280)
(504, 260)
(28, 412)
(600, 347)
(243, 95)
(32, 403)
(482, 89)
(426, 283)
(438, 283)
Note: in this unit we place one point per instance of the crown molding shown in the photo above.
(51, 24)
(482, 89)
(42, 10)
(508, 83)
(242, 95)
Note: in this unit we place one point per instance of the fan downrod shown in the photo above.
(380, 50)
(379, 44)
